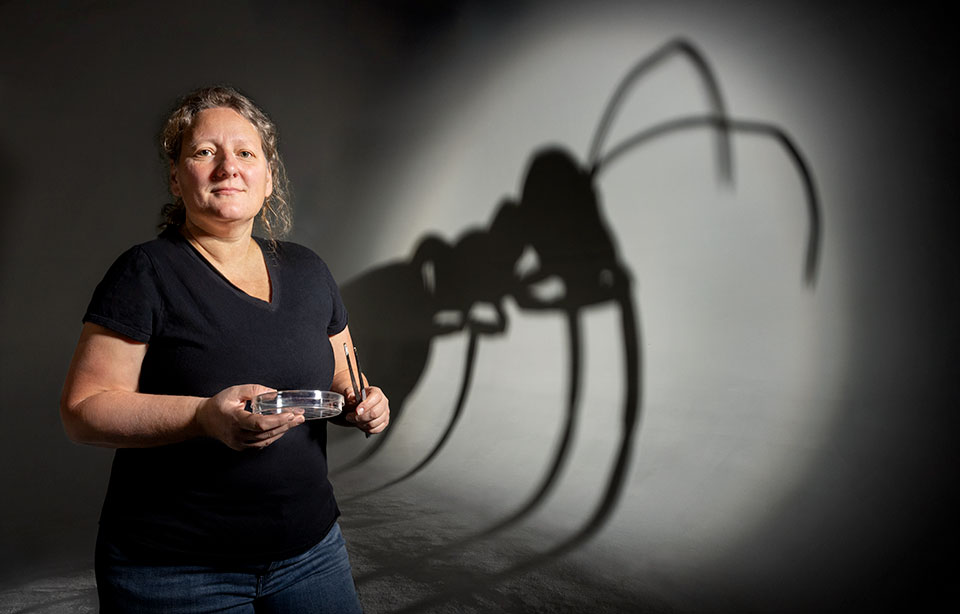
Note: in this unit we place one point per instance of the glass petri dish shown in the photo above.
(313, 403)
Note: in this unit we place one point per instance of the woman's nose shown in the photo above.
(227, 165)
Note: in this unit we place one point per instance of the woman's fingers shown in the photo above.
(265, 431)
(260, 431)
(259, 442)
(224, 417)
(257, 423)
(373, 414)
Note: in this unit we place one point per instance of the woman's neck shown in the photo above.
(228, 249)
(237, 256)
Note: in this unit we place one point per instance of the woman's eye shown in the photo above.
(204, 153)
(245, 154)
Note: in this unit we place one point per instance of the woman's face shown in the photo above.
(222, 175)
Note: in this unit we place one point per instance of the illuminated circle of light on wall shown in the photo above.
(742, 361)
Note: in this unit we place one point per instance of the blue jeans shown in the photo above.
(317, 581)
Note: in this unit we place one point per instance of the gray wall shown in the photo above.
(795, 439)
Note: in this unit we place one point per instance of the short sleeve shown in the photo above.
(127, 300)
(338, 316)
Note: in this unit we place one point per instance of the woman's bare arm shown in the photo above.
(101, 404)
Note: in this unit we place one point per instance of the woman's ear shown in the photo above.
(174, 185)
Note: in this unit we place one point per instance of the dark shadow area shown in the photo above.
(552, 251)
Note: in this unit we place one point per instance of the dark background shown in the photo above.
(796, 451)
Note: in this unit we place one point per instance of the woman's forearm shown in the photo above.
(121, 419)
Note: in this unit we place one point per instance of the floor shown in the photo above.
(410, 557)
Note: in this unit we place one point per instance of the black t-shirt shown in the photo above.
(199, 499)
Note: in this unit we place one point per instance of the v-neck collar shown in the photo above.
(269, 258)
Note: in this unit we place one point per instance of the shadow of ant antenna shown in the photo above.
(689, 51)
(724, 125)
(718, 119)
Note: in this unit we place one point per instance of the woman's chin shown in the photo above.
(222, 220)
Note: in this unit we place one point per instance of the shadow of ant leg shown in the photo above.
(448, 431)
(374, 444)
(549, 480)
(562, 449)
(395, 337)
(369, 450)
(471, 584)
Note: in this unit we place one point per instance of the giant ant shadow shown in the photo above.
(551, 251)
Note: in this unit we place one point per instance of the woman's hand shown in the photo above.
(224, 417)
(373, 414)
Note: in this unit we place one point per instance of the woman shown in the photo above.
(211, 507)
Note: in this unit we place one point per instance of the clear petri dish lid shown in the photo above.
(313, 404)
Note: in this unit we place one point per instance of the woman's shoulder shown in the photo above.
(152, 251)
(163, 242)
(298, 260)
(289, 252)
(147, 256)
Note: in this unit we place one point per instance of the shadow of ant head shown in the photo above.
(571, 259)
